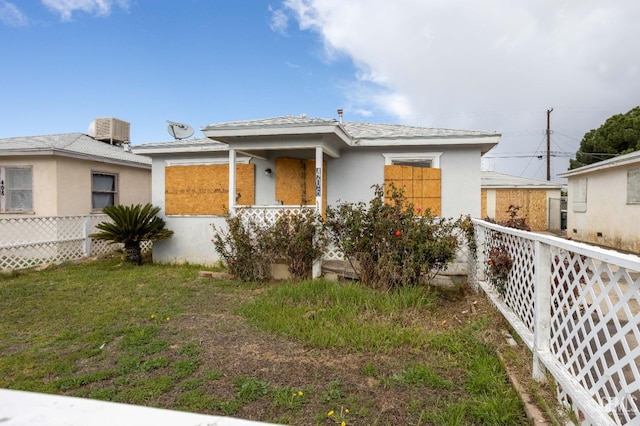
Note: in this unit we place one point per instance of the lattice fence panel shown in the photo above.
(30, 241)
(596, 329)
(517, 287)
(35, 240)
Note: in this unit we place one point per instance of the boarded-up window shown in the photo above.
(296, 182)
(633, 186)
(204, 189)
(579, 188)
(421, 185)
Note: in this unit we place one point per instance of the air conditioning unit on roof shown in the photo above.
(110, 130)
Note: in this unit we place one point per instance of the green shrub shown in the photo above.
(390, 246)
(249, 248)
(246, 248)
(298, 240)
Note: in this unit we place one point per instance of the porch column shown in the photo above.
(232, 181)
(318, 180)
(317, 265)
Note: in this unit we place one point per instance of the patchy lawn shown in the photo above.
(315, 352)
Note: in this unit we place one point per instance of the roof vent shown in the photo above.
(110, 130)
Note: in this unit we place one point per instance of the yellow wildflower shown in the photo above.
(330, 413)
(300, 393)
(168, 318)
(152, 316)
(343, 424)
(346, 410)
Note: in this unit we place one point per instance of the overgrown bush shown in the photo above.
(249, 248)
(245, 247)
(299, 241)
(390, 242)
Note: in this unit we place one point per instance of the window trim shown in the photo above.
(115, 192)
(579, 201)
(434, 157)
(633, 186)
(3, 195)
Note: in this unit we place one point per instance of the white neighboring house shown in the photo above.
(604, 202)
(69, 174)
(294, 161)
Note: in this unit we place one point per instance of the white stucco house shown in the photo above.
(69, 174)
(604, 202)
(293, 161)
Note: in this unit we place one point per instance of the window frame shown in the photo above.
(579, 198)
(4, 189)
(115, 191)
(405, 158)
(633, 186)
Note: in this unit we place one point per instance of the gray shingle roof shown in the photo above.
(75, 144)
(283, 121)
(214, 145)
(360, 130)
(357, 130)
(500, 180)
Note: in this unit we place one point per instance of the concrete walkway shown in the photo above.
(18, 408)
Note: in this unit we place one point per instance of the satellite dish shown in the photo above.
(179, 130)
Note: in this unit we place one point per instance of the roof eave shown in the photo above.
(80, 156)
(223, 134)
(170, 149)
(484, 142)
(602, 165)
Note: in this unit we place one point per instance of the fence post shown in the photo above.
(542, 308)
(87, 240)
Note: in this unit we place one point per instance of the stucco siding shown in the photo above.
(74, 184)
(460, 183)
(608, 219)
(191, 241)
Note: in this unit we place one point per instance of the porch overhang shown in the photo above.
(256, 140)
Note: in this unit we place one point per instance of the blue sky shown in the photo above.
(487, 65)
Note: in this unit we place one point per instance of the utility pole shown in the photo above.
(549, 143)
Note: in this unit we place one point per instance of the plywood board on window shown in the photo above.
(296, 182)
(483, 203)
(532, 203)
(204, 189)
(421, 185)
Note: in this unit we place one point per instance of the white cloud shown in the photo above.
(486, 65)
(279, 20)
(11, 15)
(66, 8)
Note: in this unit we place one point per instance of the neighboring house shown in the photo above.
(69, 174)
(534, 197)
(604, 203)
(298, 161)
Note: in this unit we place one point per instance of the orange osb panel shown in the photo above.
(483, 203)
(422, 186)
(204, 189)
(532, 203)
(296, 182)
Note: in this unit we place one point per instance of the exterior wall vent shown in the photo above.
(110, 130)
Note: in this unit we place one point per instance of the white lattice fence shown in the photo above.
(579, 313)
(34, 240)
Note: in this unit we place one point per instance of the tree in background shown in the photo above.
(620, 134)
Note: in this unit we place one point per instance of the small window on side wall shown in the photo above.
(16, 189)
(579, 188)
(104, 190)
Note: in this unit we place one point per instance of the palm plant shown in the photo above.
(130, 226)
